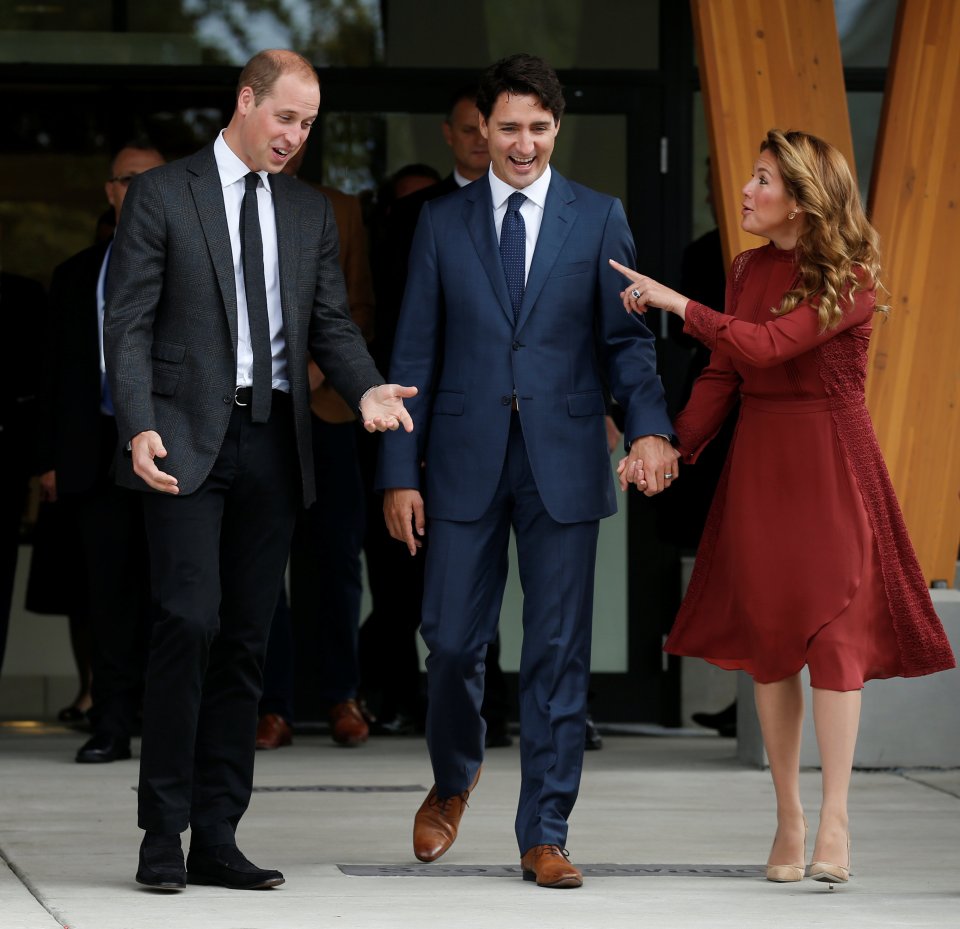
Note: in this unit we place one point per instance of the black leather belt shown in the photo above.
(244, 395)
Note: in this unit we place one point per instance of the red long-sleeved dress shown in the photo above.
(805, 558)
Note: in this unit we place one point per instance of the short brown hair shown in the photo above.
(521, 74)
(263, 71)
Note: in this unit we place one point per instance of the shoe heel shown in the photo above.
(830, 873)
(529, 876)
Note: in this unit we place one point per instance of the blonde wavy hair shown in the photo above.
(838, 251)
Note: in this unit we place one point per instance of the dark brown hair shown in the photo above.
(521, 74)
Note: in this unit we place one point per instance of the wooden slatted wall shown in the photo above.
(914, 385)
(765, 64)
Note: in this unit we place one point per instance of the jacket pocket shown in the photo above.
(588, 403)
(165, 381)
(168, 351)
(572, 267)
(448, 403)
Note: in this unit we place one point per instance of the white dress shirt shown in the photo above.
(232, 173)
(101, 303)
(531, 209)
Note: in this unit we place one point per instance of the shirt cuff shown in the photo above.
(363, 397)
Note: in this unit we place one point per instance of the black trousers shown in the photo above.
(114, 544)
(217, 559)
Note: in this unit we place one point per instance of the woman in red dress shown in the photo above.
(805, 559)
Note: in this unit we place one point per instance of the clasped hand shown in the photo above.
(652, 465)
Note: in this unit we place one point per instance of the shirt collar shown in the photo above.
(537, 191)
(231, 168)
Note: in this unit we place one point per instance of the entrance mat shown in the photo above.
(341, 789)
(589, 870)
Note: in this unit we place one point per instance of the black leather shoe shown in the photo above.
(103, 748)
(725, 722)
(593, 741)
(226, 866)
(162, 867)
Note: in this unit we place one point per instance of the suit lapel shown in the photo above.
(208, 197)
(558, 219)
(285, 211)
(478, 216)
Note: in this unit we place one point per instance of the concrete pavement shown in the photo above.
(671, 832)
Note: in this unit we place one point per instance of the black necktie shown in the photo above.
(251, 256)
(513, 251)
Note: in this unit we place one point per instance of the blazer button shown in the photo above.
(228, 399)
(516, 346)
(506, 401)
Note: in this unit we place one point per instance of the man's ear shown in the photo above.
(484, 129)
(245, 100)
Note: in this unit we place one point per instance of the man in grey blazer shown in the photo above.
(224, 277)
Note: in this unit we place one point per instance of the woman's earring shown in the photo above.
(792, 214)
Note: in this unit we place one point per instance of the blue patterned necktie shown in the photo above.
(251, 251)
(513, 251)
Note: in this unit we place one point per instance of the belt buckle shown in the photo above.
(236, 397)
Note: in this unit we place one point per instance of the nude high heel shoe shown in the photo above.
(829, 872)
(788, 873)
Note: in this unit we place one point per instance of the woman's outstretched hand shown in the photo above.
(643, 292)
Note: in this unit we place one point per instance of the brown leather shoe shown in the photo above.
(436, 823)
(549, 866)
(273, 731)
(348, 726)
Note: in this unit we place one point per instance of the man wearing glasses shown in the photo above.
(82, 441)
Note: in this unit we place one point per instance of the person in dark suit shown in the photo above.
(223, 277)
(24, 319)
(314, 635)
(109, 518)
(389, 655)
(511, 327)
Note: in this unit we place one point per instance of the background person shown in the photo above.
(326, 580)
(109, 518)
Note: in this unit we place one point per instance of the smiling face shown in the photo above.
(266, 136)
(462, 133)
(520, 133)
(767, 205)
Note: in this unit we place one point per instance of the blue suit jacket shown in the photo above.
(456, 341)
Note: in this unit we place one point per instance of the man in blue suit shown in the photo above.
(512, 329)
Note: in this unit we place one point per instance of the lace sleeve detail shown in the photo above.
(702, 323)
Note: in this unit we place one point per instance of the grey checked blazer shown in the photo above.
(170, 327)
